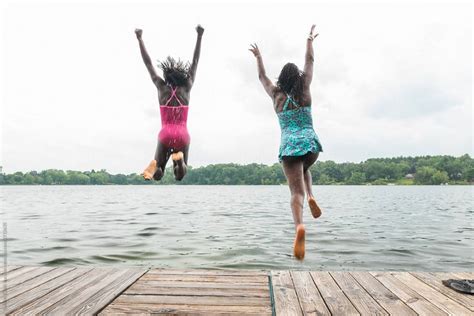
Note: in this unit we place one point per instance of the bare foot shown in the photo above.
(150, 170)
(177, 156)
(313, 206)
(298, 246)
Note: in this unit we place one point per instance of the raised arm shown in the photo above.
(262, 76)
(197, 53)
(157, 80)
(309, 57)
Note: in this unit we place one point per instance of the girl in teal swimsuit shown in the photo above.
(300, 146)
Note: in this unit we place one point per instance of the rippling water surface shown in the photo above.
(249, 227)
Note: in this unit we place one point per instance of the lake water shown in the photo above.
(427, 228)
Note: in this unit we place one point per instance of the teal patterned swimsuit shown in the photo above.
(297, 134)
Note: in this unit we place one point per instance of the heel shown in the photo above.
(313, 206)
(177, 156)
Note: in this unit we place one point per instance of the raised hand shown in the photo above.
(255, 50)
(311, 36)
(138, 33)
(199, 29)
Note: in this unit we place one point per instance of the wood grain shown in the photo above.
(285, 297)
(308, 294)
(334, 297)
(434, 280)
(443, 302)
(384, 297)
(359, 297)
(414, 300)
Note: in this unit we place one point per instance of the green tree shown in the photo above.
(99, 177)
(424, 175)
(325, 179)
(469, 175)
(356, 178)
(439, 177)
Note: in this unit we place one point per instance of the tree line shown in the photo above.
(378, 171)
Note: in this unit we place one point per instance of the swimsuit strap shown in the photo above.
(173, 94)
(288, 100)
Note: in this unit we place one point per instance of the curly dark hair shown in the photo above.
(175, 72)
(291, 80)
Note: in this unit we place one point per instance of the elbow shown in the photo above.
(262, 76)
(309, 58)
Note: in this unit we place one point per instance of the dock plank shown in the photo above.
(286, 299)
(200, 285)
(195, 292)
(206, 278)
(412, 298)
(8, 269)
(78, 300)
(145, 289)
(28, 297)
(34, 282)
(61, 293)
(434, 280)
(335, 299)
(436, 298)
(389, 301)
(463, 275)
(91, 304)
(126, 309)
(362, 301)
(24, 275)
(192, 300)
(229, 272)
(310, 299)
(15, 273)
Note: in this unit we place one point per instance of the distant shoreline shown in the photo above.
(420, 170)
(227, 185)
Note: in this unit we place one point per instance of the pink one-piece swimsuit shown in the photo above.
(174, 131)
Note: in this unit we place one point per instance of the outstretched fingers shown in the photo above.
(311, 35)
(254, 49)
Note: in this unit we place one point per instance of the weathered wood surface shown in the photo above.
(63, 290)
(120, 291)
(179, 292)
(368, 293)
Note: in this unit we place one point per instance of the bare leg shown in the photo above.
(162, 155)
(308, 184)
(153, 167)
(150, 170)
(310, 159)
(293, 169)
(180, 161)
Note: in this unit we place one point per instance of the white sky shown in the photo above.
(390, 80)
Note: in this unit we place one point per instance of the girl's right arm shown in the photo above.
(157, 80)
(309, 58)
(266, 82)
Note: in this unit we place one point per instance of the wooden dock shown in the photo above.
(119, 291)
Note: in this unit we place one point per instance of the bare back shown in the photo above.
(279, 99)
(183, 93)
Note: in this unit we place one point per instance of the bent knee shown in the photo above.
(297, 195)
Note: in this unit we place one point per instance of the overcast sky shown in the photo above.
(390, 80)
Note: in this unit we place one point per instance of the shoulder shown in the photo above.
(159, 83)
(278, 93)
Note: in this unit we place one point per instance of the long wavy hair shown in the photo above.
(291, 80)
(175, 72)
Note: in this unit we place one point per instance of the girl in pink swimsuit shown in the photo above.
(173, 95)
